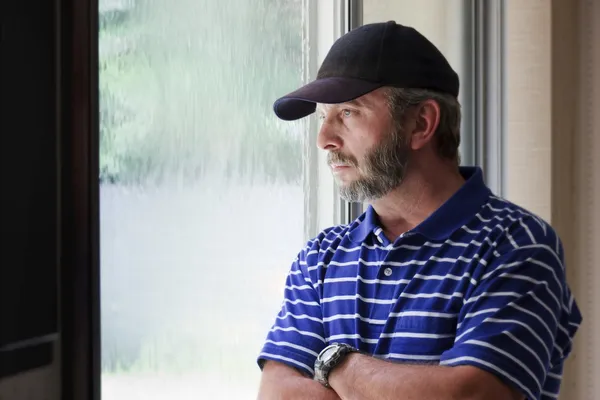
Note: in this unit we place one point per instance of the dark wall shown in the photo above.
(49, 263)
(29, 179)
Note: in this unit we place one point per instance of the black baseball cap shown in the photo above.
(367, 58)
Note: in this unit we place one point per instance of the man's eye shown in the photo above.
(347, 113)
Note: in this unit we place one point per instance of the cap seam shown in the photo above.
(385, 28)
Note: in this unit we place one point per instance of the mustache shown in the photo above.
(339, 158)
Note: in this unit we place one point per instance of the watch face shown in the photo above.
(328, 352)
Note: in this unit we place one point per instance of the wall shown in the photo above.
(552, 135)
(583, 223)
(28, 307)
(528, 105)
(565, 61)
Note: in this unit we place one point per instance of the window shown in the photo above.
(205, 195)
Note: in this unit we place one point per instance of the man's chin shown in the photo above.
(349, 191)
(351, 198)
(345, 186)
(356, 193)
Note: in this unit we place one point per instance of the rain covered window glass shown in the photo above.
(202, 193)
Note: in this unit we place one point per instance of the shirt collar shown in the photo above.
(452, 215)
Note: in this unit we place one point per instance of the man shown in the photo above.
(440, 290)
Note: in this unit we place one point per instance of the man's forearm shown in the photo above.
(362, 377)
(296, 388)
(279, 382)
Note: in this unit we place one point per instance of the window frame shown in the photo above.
(489, 91)
(79, 238)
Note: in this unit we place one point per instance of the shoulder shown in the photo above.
(521, 229)
(523, 247)
(321, 248)
(529, 260)
(327, 239)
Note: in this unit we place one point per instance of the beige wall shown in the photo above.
(584, 369)
(552, 136)
(528, 105)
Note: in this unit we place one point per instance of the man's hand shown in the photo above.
(360, 377)
(282, 382)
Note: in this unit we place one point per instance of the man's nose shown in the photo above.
(328, 137)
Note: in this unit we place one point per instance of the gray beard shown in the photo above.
(382, 170)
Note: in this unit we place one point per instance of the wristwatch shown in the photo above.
(330, 357)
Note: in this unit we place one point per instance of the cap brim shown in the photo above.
(302, 102)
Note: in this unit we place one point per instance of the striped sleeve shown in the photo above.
(515, 324)
(297, 335)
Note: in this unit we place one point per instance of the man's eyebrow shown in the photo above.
(355, 102)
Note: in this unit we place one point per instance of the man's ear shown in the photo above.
(427, 119)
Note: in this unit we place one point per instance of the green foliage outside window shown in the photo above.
(187, 89)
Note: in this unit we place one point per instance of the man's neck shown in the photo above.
(421, 193)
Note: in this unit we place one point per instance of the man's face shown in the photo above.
(367, 153)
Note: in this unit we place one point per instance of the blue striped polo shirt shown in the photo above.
(480, 282)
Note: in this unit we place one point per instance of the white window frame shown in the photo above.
(324, 22)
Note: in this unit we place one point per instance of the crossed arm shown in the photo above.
(280, 382)
(362, 377)
(515, 325)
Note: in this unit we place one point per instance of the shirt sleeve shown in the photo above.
(519, 322)
(297, 335)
